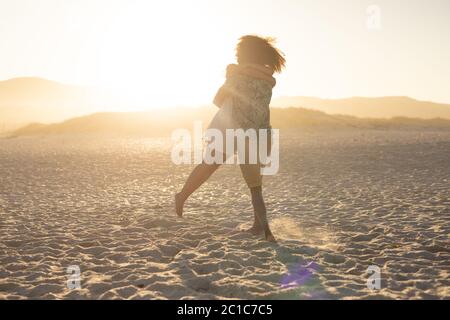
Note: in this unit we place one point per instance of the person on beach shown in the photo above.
(244, 102)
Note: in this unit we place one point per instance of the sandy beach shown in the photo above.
(342, 201)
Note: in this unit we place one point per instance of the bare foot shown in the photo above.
(270, 237)
(179, 204)
(255, 230)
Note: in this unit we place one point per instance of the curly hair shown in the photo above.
(258, 50)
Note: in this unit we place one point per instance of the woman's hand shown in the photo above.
(231, 69)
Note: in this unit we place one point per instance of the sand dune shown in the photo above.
(365, 107)
(340, 203)
(25, 100)
(159, 123)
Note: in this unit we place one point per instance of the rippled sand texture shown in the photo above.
(341, 202)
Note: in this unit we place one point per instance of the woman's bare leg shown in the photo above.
(256, 229)
(199, 175)
(260, 224)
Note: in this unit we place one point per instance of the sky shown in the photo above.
(175, 52)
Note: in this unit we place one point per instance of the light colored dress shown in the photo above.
(223, 119)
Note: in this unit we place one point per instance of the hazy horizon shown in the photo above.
(175, 53)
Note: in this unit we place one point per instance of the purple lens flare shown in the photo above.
(298, 275)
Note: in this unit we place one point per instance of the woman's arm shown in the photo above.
(223, 92)
(220, 97)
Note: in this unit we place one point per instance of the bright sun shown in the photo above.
(151, 61)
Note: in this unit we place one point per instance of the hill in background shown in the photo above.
(161, 123)
(75, 109)
(25, 100)
(383, 107)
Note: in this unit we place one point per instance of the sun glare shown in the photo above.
(151, 61)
